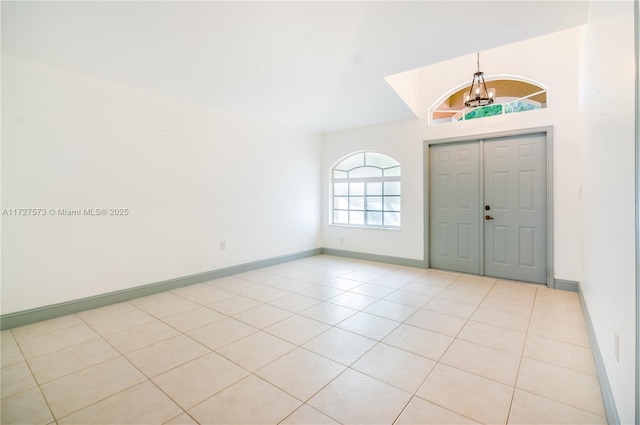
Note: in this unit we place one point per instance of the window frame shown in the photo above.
(366, 193)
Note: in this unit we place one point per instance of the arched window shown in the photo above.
(512, 95)
(366, 191)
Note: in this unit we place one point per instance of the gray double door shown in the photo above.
(488, 207)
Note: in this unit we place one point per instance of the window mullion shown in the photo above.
(363, 185)
(382, 206)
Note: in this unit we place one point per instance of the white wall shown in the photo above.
(400, 140)
(404, 141)
(190, 177)
(608, 192)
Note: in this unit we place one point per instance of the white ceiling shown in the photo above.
(313, 65)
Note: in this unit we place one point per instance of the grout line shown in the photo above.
(524, 345)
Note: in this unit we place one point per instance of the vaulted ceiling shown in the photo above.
(318, 66)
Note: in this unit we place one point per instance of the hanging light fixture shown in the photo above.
(478, 94)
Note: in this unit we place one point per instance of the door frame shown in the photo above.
(548, 131)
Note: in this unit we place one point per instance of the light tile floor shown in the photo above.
(318, 340)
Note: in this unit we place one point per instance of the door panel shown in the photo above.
(515, 190)
(454, 171)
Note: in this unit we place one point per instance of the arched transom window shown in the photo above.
(366, 191)
(512, 95)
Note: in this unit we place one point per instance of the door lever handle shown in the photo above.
(488, 217)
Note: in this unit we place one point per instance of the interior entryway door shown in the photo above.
(455, 212)
(515, 215)
(488, 212)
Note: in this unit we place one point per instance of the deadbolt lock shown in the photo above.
(487, 207)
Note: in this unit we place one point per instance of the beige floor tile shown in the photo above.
(199, 379)
(559, 297)
(523, 291)
(46, 327)
(421, 412)
(221, 333)
(440, 278)
(15, 379)
(419, 341)
(268, 294)
(396, 367)
(469, 395)
(262, 316)
(568, 356)
(193, 319)
(241, 287)
(369, 325)
(297, 329)
(10, 351)
(306, 415)
(251, 289)
(408, 298)
(81, 389)
(530, 408)
(165, 306)
(452, 308)
(115, 318)
(203, 294)
(424, 289)
(353, 300)
(62, 338)
(391, 310)
(182, 419)
(437, 322)
(515, 322)
(565, 319)
(301, 373)
(510, 305)
(141, 404)
(484, 361)
(364, 275)
(72, 359)
(292, 285)
(169, 307)
(225, 282)
(473, 283)
(566, 386)
(321, 292)
(392, 282)
(493, 336)
(408, 272)
(372, 290)
(356, 398)
(164, 355)
(295, 303)
(466, 297)
(559, 332)
(260, 276)
(328, 313)
(141, 336)
(342, 346)
(27, 407)
(250, 401)
(256, 350)
(313, 277)
(236, 304)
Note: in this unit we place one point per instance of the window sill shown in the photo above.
(355, 226)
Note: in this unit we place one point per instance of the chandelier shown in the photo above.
(478, 94)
